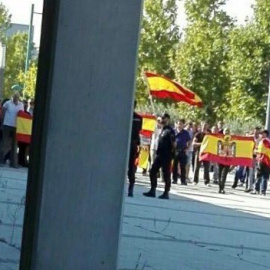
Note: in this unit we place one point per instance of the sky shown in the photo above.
(21, 9)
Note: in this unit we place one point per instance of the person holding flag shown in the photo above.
(263, 169)
(198, 139)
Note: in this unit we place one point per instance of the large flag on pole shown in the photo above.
(228, 150)
(162, 87)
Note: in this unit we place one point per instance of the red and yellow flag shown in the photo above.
(228, 150)
(263, 151)
(149, 124)
(143, 158)
(162, 87)
(24, 127)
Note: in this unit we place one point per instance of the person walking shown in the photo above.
(263, 170)
(191, 130)
(164, 155)
(250, 185)
(9, 143)
(183, 141)
(134, 145)
(223, 169)
(197, 147)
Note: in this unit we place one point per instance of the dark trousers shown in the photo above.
(22, 154)
(223, 172)
(239, 175)
(8, 143)
(206, 165)
(180, 158)
(165, 164)
(262, 179)
(131, 166)
(193, 160)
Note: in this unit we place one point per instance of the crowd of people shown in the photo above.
(173, 149)
(11, 151)
(176, 151)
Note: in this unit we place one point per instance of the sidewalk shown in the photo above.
(12, 198)
(197, 229)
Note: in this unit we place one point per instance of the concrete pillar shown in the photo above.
(81, 134)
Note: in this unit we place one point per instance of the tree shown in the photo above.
(159, 36)
(248, 66)
(4, 22)
(202, 55)
(28, 80)
(15, 60)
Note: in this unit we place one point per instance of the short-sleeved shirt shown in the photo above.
(165, 142)
(11, 113)
(199, 137)
(182, 138)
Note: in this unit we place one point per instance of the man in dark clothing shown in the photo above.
(164, 155)
(197, 146)
(133, 154)
(183, 141)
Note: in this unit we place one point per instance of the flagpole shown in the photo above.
(150, 97)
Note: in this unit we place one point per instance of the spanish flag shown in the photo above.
(143, 158)
(228, 150)
(263, 152)
(24, 127)
(149, 124)
(162, 87)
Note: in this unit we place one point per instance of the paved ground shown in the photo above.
(197, 229)
(12, 197)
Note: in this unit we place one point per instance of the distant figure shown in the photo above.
(263, 170)
(183, 141)
(163, 160)
(23, 146)
(154, 140)
(224, 169)
(133, 154)
(9, 143)
(198, 139)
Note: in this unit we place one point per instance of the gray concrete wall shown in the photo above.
(87, 135)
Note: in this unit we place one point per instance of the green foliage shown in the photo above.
(29, 81)
(248, 70)
(4, 22)
(248, 66)
(240, 127)
(202, 56)
(225, 64)
(15, 61)
(159, 36)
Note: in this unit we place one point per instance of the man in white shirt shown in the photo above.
(154, 140)
(9, 143)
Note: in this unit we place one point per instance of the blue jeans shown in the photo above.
(239, 175)
(262, 179)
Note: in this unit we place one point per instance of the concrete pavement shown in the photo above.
(196, 229)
